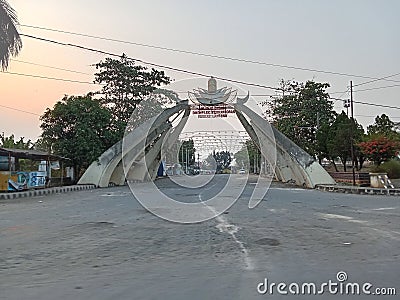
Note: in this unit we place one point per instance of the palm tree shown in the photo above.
(10, 41)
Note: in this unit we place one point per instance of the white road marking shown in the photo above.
(385, 208)
(225, 227)
(342, 217)
(387, 233)
(384, 233)
(277, 210)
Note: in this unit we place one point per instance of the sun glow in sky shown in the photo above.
(354, 37)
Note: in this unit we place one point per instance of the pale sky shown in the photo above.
(356, 37)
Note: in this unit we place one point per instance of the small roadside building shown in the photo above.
(12, 178)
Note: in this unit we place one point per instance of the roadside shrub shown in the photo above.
(391, 167)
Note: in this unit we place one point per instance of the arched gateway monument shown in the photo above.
(138, 156)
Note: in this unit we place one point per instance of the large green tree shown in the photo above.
(339, 136)
(125, 86)
(76, 128)
(300, 111)
(10, 41)
(383, 126)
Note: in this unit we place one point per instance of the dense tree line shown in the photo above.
(304, 113)
(81, 128)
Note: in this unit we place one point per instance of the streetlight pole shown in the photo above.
(182, 148)
(186, 160)
(352, 132)
(198, 162)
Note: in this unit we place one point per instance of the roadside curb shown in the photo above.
(357, 190)
(49, 191)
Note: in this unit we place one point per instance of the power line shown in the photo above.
(20, 110)
(150, 63)
(371, 104)
(341, 95)
(164, 67)
(369, 116)
(35, 114)
(204, 54)
(50, 67)
(378, 88)
(50, 78)
(378, 105)
(337, 99)
(76, 81)
(341, 92)
(368, 89)
(378, 79)
(172, 68)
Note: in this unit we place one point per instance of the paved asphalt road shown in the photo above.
(101, 244)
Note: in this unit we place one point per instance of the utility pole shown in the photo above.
(352, 132)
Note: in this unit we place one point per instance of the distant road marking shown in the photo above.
(290, 189)
(115, 194)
